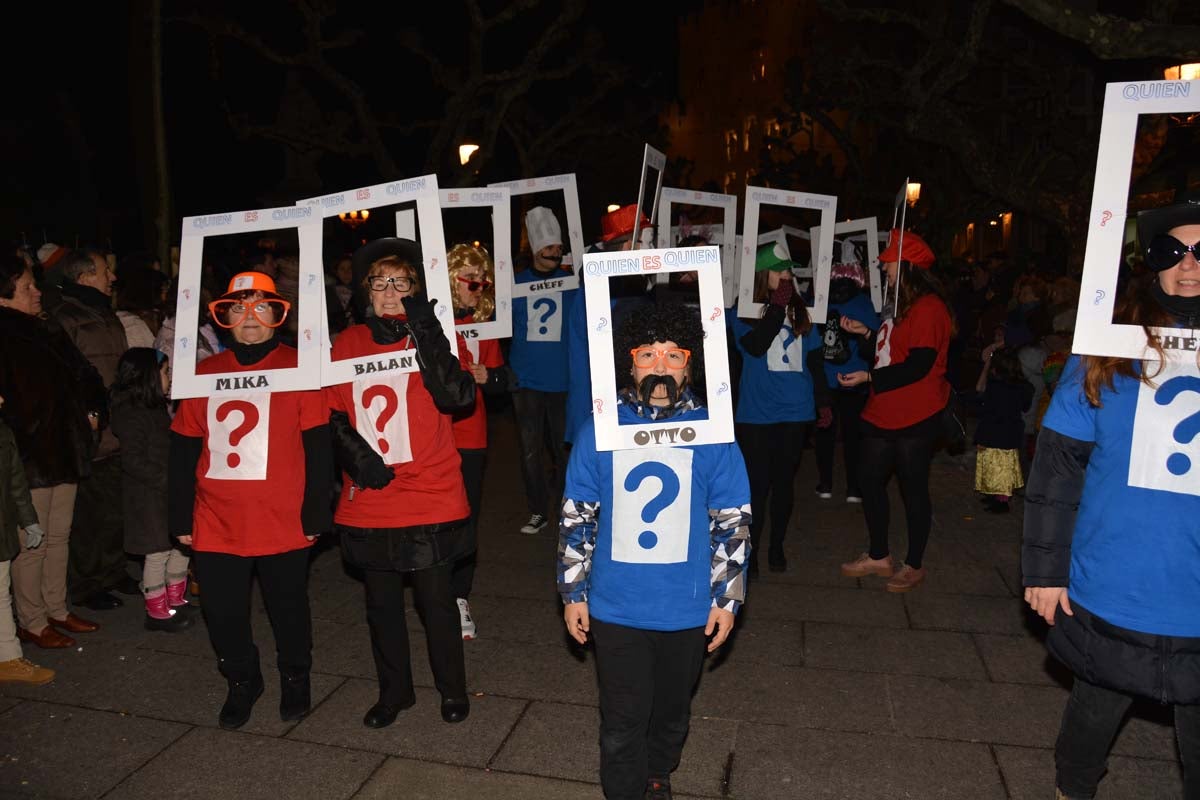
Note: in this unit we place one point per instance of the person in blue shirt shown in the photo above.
(538, 357)
(781, 390)
(1112, 516)
(847, 298)
(651, 550)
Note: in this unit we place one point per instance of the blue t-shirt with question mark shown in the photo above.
(538, 354)
(776, 386)
(651, 567)
(1136, 544)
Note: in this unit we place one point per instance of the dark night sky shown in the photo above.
(75, 135)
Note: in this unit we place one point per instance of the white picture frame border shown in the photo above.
(758, 196)
(500, 201)
(869, 228)
(1095, 332)
(423, 190)
(727, 203)
(598, 268)
(567, 185)
(310, 302)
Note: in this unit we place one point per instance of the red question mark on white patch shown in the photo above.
(716, 313)
(249, 419)
(390, 404)
(599, 405)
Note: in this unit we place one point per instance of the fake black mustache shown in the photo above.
(556, 260)
(652, 382)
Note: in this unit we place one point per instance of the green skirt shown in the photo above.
(997, 471)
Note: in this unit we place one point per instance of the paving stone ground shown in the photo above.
(830, 687)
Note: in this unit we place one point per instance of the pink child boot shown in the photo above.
(177, 595)
(161, 617)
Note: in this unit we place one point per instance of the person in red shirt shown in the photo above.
(472, 278)
(403, 507)
(248, 489)
(901, 421)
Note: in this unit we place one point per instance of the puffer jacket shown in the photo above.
(16, 505)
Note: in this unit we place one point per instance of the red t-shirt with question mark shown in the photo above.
(250, 477)
(395, 414)
(927, 324)
(470, 429)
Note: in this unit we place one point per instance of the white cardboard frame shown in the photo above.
(310, 303)
(1095, 332)
(500, 201)
(869, 228)
(550, 183)
(757, 196)
(656, 160)
(424, 191)
(728, 204)
(610, 435)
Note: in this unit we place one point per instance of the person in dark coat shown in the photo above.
(1003, 396)
(55, 405)
(1112, 517)
(140, 420)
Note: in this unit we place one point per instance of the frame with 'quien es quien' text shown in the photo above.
(728, 204)
(1095, 331)
(498, 200)
(552, 183)
(309, 297)
(598, 268)
(423, 191)
(757, 196)
(867, 229)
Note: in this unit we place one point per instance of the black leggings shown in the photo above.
(772, 454)
(881, 454)
(463, 573)
(847, 410)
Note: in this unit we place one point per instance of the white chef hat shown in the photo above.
(542, 227)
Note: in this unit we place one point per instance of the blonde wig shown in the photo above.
(462, 256)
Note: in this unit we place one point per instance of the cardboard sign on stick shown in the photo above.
(553, 183)
(651, 160)
(756, 197)
(706, 263)
(1095, 331)
(310, 301)
(423, 191)
(499, 201)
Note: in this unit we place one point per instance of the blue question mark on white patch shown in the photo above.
(665, 497)
(789, 336)
(1186, 430)
(550, 306)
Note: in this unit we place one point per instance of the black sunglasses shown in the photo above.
(1165, 251)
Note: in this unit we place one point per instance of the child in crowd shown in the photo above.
(16, 509)
(1004, 395)
(138, 400)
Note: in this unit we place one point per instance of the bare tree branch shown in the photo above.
(1110, 37)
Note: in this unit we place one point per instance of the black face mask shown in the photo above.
(652, 382)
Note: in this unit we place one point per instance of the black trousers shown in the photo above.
(389, 632)
(1089, 724)
(646, 680)
(541, 424)
(909, 458)
(283, 578)
(96, 552)
(462, 576)
(847, 413)
(772, 454)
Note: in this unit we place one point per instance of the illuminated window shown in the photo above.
(730, 181)
(731, 140)
(772, 127)
(748, 127)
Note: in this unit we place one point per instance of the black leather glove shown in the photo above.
(364, 466)
(419, 309)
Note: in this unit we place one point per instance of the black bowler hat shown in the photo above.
(1151, 222)
(368, 254)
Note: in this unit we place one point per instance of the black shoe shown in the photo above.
(295, 696)
(239, 702)
(101, 601)
(381, 715)
(823, 491)
(455, 709)
(997, 506)
(658, 789)
(173, 624)
(127, 585)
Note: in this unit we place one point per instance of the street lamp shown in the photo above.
(912, 193)
(465, 151)
(612, 207)
(354, 218)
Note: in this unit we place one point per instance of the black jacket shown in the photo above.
(48, 389)
(145, 441)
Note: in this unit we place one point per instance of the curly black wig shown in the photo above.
(660, 322)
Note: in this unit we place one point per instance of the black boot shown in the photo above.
(239, 702)
(295, 696)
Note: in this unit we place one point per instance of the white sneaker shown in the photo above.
(535, 524)
(465, 619)
(853, 498)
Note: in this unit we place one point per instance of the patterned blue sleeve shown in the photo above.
(576, 541)
(730, 529)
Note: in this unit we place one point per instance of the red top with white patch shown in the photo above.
(470, 430)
